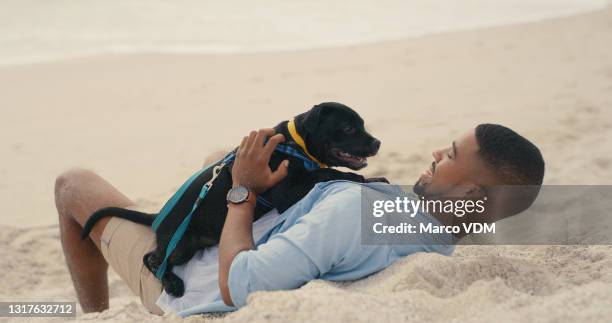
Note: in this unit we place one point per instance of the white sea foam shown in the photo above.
(41, 30)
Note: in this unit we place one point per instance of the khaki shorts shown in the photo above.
(123, 245)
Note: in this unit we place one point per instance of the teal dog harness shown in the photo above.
(309, 164)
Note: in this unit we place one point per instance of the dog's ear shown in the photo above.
(311, 119)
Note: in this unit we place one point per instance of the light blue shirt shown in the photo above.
(317, 238)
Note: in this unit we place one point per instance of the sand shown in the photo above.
(146, 122)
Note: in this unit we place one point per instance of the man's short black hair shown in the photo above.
(514, 160)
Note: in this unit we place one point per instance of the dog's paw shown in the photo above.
(173, 285)
(377, 180)
(152, 262)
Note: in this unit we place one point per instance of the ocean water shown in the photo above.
(43, 30)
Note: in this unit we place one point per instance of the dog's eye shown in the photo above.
(348, 129)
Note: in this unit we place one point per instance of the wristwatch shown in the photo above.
(238, 195)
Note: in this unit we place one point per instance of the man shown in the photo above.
(318, 238)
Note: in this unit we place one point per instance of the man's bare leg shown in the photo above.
(79, 193)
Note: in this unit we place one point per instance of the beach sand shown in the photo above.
(146, 122)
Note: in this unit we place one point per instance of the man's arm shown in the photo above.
(324, 239)
(251, 170)
(237, 236)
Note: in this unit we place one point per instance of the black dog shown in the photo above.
(330, 134)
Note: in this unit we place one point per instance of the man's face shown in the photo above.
(454, 169)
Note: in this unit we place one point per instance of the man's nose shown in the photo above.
(437, 155)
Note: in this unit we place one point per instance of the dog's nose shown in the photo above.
(375, 145)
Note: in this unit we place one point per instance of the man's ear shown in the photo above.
(469, 191)
(476, 192)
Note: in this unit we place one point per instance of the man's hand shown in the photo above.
(251, 168)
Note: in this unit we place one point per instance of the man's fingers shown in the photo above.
(280, 172)
(272, 143)
(242, 144)
(262, 134)
(250, 140)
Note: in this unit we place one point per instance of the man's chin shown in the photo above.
(419, 188)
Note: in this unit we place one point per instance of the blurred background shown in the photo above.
(39, 30)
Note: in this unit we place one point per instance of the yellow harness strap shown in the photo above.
(300, 141)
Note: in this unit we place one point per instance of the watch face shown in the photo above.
(238, 194)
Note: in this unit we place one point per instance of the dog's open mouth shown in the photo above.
(351, 159)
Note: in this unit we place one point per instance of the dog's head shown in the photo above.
(336, 136)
